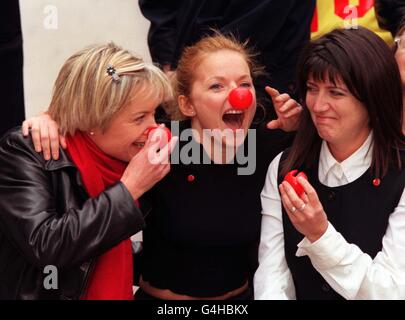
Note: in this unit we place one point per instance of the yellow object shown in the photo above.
(331, 14)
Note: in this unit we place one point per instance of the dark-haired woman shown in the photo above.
(345, 235)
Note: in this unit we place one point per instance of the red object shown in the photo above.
(240, 98)
(291, 178)
(163, 141)
(190, 178)
(376, 182)
(112, 276)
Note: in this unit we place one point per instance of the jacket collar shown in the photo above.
(63, 162)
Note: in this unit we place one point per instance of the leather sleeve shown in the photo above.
(29, 217)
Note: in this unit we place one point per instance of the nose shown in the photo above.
(150, 123)
(240, 98)
(320, 103)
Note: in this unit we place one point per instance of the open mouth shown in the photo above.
(233, 118)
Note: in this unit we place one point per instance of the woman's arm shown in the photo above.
(349, 271)
(273, 279)
(353, 273)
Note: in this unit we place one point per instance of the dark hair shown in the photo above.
(363, 61)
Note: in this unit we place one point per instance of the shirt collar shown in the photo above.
(352, 167)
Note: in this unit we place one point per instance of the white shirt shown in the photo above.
(349, 271)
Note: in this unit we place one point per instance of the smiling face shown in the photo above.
(338, 116)
(126, 134)
(215, 77)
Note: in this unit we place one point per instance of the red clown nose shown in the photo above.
(165, 134)
(240, 98)
(291, 178)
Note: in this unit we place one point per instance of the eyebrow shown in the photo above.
(333, 86)
(223, 78)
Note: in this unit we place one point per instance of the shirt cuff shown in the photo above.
(327, 251)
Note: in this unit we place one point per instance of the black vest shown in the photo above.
(358, 210)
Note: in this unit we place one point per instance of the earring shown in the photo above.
(91, 133)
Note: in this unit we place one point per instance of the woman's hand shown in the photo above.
(306, 213)
(148, 166)
(288, 111)
(45, 135)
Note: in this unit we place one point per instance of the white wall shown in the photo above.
(55, 29)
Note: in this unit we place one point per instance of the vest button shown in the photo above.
(331, 196)
(325, 287)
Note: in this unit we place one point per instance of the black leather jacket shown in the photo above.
(47, 218)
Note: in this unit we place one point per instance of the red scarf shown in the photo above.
(112, 277)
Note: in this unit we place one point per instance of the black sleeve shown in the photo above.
(390, 14)
(11, 64)
(29, 217)
(163, 29)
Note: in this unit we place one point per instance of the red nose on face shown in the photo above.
(165, 134)
(240, 98)
(291, 178)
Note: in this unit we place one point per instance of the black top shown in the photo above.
(358, 210)
(201, 238)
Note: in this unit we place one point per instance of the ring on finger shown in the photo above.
(293, 209)
(303, 207)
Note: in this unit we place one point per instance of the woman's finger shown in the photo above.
(54, 143)
(36, 137)
(62, 141)
(292, 113)
(309, 190)
(288, 206)
(26, 125)
(296, 201)
(45, 143)
(288, 106)
(273, 93)
(284, 97)
(164, 153)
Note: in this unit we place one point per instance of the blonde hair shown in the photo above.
(85, 96)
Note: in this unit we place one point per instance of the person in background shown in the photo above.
(331, 14)
(277, 29)
(11, 62)
(78, 213)
(390, 14)
(343, 237)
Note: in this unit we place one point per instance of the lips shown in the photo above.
(322, 120)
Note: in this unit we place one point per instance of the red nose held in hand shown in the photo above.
(165, 134)
(291, 178)
(240, 98)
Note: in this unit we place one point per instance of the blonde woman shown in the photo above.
(78, 213)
